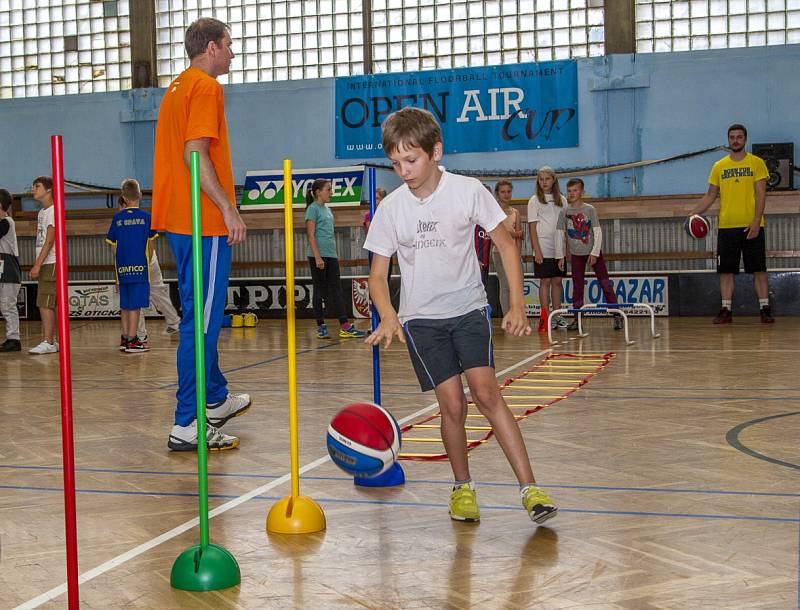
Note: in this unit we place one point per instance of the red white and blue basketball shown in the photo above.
(697, 226)
(363, 439)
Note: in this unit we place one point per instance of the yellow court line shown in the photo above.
(420, 439)
(534, 396)
(561, 374)
(437, 427)
(549, 387)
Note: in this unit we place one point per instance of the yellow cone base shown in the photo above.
(300, 515)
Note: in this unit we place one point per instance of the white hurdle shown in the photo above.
(593, 308)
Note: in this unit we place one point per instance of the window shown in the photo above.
(272, 39)
(715, 24)
(426, 34)
(54, 47)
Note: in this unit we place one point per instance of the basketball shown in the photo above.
(697, 226)
(363, 439)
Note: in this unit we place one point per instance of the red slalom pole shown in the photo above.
(65, 370)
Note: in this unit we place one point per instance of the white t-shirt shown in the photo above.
(545, 215)
(45, 219)
(434, 241)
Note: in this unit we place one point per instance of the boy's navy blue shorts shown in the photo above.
(135, 295)
(443, 348)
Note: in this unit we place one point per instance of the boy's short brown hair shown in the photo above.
(410, 127)
(130, 190)
(576, 182)
(45, 181)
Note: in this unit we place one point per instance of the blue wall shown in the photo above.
(631, 107)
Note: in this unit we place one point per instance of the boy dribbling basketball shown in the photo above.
(444, 318)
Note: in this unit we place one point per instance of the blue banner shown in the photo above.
(511, 107)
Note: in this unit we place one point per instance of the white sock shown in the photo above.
(726, 303)
(457, 484)
(763, 303)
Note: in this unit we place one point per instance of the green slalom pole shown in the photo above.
(203, 567)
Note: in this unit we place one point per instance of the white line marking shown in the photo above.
(222, 508)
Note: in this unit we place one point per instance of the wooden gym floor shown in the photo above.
(675, 470)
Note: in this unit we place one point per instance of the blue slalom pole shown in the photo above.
(395, 475)
(376, 353)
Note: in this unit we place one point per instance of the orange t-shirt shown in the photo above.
(193, 107)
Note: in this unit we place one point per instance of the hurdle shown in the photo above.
(597, 308)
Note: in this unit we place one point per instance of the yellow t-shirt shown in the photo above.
(737, 189)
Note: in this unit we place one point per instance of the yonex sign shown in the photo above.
(263, 189)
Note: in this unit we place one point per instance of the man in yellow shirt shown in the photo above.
(740, 181)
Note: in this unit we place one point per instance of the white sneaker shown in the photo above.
(44, 348)
(561, 322)
(233, 406)
(171, 330)
(184, 438)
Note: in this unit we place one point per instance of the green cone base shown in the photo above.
(208, 570)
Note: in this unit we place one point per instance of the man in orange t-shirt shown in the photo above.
(192, 118)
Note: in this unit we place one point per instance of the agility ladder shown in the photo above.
(548, 382)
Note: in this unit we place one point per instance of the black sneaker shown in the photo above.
(11, 345)
(573, 325)
(766, 315)
(136, 346)
(619, 323)
(724, 316)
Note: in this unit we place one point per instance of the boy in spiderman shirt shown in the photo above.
(584, 243)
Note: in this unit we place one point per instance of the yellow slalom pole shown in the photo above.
(294, 514)
(288, 223)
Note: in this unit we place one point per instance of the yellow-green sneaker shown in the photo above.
(464, 504)
(538, 504)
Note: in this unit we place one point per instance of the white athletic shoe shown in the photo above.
(45, 348)
(234, 405)
(184, 438)
(171, 330)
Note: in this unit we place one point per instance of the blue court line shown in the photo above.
(411, 504)
(267, 361)
(415, 481)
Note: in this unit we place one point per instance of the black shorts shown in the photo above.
(548, 268)
(733, 245)
(441, 349)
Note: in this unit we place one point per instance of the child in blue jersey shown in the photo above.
(130, 234)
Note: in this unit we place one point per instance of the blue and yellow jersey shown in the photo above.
(130, 232)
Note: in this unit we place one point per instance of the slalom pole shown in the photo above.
(395, 475)
(65, 371)
(199, 348)
(293, 514)
(376, 351)
(203, 567)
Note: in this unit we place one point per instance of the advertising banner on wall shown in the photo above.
(653, 290)
(491, 108)
(263, 189)
(93, 301)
